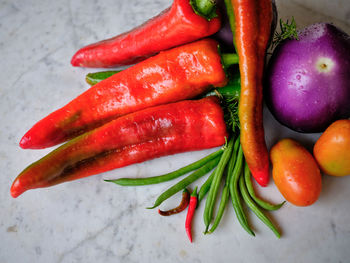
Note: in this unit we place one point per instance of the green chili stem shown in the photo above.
(168, 176)
(255, 208)
(204, 8)
(260, 202)
(236, 202)
(231, 90)
(186, 181)
(229, 59)
(214, 187)
(94, 78)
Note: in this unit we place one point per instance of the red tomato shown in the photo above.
(295, 173)
(332, 149)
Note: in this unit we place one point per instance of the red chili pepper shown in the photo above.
(190, 212)
(181, 73)
(175, 26)
(182, 206)
(253, 20)
(133, 138)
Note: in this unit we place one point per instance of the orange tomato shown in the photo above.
(295, 173)
(332, 149)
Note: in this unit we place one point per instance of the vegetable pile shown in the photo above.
(184, 93)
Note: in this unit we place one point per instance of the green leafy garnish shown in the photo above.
(231, 112)
(288, 31)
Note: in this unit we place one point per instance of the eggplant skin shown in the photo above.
(307, 83)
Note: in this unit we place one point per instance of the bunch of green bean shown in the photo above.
(230, 169)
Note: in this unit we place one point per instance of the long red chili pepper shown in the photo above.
(253, 20)
(136, 137)
(177, 74)
(175, 26)
(190, 212)
(182, 206)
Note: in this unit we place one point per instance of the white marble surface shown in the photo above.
(93, 221)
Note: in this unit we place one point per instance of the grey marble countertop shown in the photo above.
(92, 221)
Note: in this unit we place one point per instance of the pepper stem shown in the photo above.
(194, 193)
(229, 59)
(204, 8)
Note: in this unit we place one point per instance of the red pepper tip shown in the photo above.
(16, 189)
(189, 235)
(76, 60)
(79, 59)
(29, 142)
(25, 142)
(262, 177)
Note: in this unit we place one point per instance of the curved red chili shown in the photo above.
(173, 75)
(133, 138)
(182, 206)
(173, 27)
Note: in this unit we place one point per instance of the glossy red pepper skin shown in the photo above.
(133, 138)
(181, 73)
(253, 20)
(175, 26)
(190, 213)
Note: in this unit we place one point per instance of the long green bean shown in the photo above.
(168, 176)
(205, 187)
(260, 202)
(255, 208)
(214, 187)
(225, 192)
(186, 181)
(236, 202)
(224, 198)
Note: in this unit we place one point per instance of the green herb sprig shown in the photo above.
(288, 31)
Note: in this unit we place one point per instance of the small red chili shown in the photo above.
(182, 206)
(190, 212)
